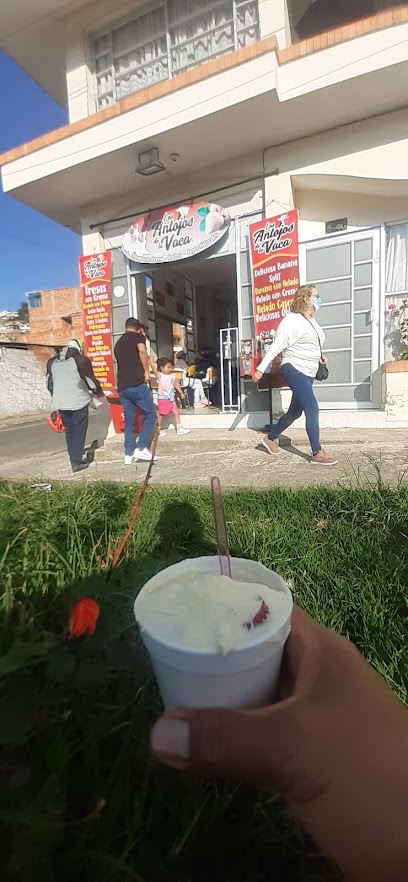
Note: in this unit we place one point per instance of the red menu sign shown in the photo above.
(275, 270)
(95, 281)
(274, 253)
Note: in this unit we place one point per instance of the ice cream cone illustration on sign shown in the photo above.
(138, 240)
(213, 218)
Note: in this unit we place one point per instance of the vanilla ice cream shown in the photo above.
(205, 612)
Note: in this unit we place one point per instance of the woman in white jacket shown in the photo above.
(299, 339)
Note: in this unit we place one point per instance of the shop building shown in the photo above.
(224, 103)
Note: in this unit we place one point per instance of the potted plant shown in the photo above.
(397, 334)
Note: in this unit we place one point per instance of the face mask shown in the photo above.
(317, 302)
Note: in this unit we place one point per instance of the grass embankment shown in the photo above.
(81, 798)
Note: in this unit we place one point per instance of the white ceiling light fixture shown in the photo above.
(149, 163)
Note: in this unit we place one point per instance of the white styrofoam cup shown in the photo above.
(245, 677)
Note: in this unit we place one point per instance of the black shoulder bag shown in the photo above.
(322, 370)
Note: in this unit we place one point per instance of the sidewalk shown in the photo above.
(238, 461)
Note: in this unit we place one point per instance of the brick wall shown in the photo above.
(22, 379)
(57, 319)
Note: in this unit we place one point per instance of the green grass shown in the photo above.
(75, 717)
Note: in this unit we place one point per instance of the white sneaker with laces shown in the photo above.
(182, 431)
(143, 455)
(128, 460)
(162, 433)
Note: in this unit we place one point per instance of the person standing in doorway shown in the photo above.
(134, 390)
(193, 382)
(72, 382)
(299, 339)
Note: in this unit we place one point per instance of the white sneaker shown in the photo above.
(182, 431)
(162, 434)
(143, 455)
(128, 460)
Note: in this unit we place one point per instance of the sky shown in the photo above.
(35, 252)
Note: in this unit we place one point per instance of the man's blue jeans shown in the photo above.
(141, 397)
(303, 401)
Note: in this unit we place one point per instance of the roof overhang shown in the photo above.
(33, 35)
(255, 105)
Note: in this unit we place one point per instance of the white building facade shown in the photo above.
(244, 113)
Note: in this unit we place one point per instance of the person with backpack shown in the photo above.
(72, 383)
(50, 362)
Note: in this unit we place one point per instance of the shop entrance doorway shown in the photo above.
(187, 306)
(216, 303)
(216, 308)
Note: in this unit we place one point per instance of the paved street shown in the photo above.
(27, 446)
(28, 439)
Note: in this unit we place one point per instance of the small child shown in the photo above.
(166, 399)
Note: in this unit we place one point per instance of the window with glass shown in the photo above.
(189, 289)
(151, 312)
(34, 300)
(247, 328)
(396, 268)
(172, 37)
(396, 286)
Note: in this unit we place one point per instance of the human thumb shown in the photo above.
(246, 745)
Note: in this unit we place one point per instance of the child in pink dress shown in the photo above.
(166, 399)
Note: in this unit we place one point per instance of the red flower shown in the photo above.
(84, 617)
(392, 306)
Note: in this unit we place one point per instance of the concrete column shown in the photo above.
(274, 19)
(141, 300)
(79, 76)
(279, 195)
(92, 240)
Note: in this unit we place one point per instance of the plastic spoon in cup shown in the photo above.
(220, 528)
